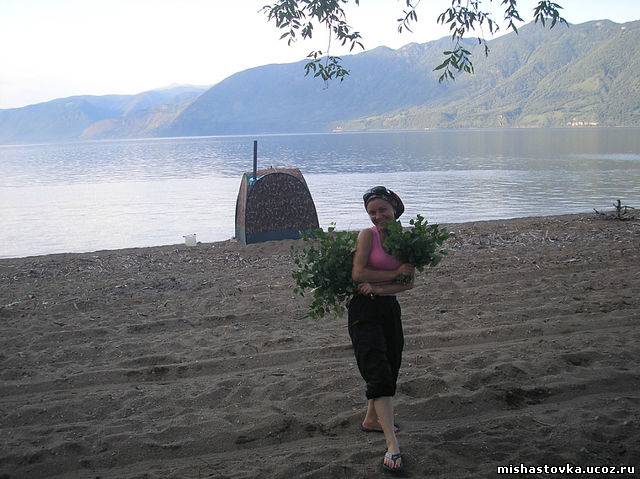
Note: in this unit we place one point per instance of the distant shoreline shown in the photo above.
(314, 133)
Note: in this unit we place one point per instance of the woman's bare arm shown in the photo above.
(392, 288)
(384, 288)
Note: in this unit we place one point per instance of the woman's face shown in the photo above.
(380, 212)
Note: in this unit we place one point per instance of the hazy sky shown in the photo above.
(57, 48)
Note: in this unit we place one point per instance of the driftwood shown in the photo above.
(621, 212)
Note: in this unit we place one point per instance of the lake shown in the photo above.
(87, 196)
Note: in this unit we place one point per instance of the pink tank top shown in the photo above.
(378, 257)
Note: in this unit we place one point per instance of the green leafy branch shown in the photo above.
(420, 245)
(548, 10)
(410, 15)
(457, 59)
(324, 267)
(465, 18)
(297, 19)
(299, 16)
(332, 68)
(511, 14)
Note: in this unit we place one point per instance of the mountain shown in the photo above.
(145, 114)
(583, 74)
(586, 74)
(279, 98)
(93, 117)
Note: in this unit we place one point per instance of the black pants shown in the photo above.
(376, 334)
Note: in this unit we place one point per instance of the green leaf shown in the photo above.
(443, 64)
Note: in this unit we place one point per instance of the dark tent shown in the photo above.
(274, 205)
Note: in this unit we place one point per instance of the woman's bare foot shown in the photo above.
(370, 423)
(392, 462)
(374, 426)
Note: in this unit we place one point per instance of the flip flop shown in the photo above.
(393, 458)
(366, 429)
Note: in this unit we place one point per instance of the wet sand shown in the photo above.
(522, 346)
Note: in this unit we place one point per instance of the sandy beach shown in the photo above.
(522, 347)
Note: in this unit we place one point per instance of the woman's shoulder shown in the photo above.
(365, 238)
(366, 234)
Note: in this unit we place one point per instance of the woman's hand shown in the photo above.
(367, 289)
(405, 272)
(405, 269)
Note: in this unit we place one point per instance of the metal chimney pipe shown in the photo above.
(255, 159)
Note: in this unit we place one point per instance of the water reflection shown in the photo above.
(115, 194)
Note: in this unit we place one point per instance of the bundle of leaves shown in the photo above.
(325, 262)
(324, 267)
(420, 245)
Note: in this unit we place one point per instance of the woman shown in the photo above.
(374, 318)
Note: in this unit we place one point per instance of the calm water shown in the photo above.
(88, 196)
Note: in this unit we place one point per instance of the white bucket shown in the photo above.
(190, 240)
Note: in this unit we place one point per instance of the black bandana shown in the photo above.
(383, 193)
